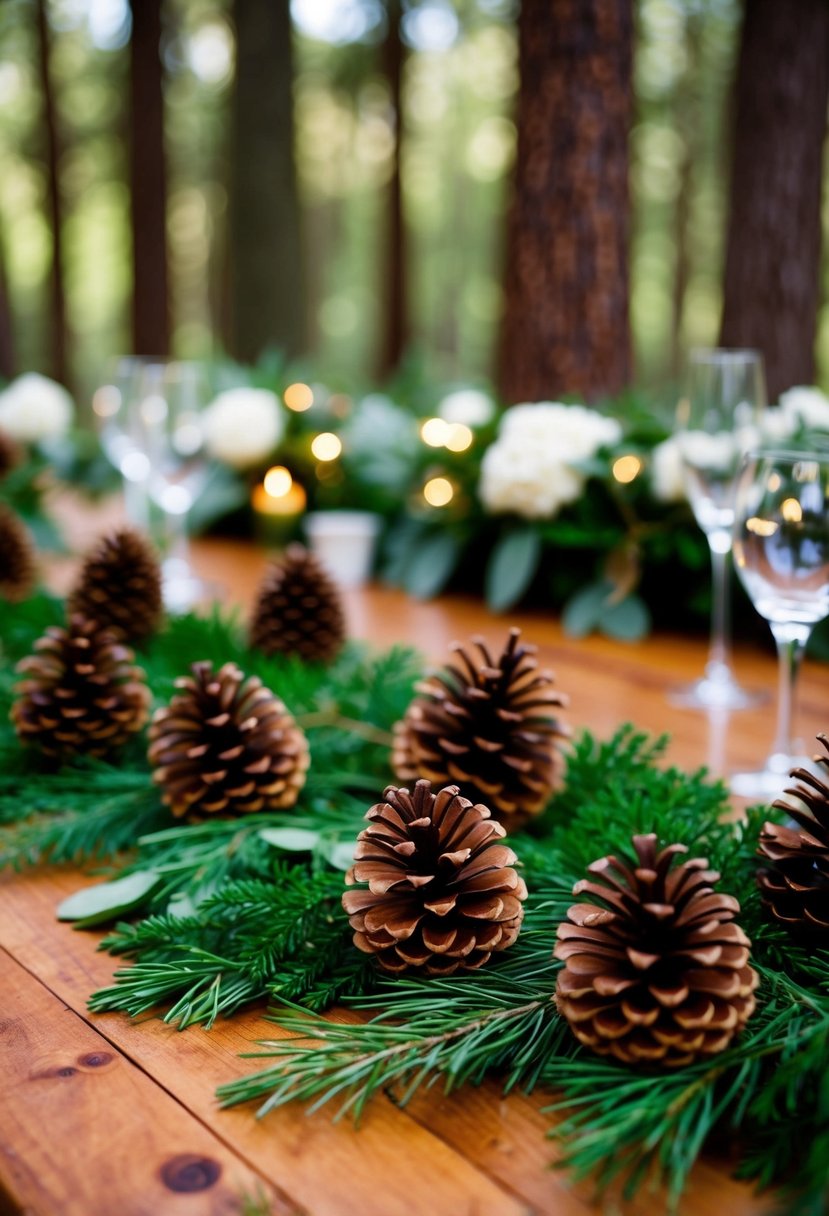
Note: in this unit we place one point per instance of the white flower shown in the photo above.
(468, 406)
(716, 451)
(807, 405)
(529, 469)
(243, 426)
(33, 408)
(777, 425)
(667, 479)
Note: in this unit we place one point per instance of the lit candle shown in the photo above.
(278, 504)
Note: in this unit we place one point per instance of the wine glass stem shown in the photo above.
(791, 642)
(718, 666)
(177, 545)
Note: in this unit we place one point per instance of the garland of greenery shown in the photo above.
(218, 914)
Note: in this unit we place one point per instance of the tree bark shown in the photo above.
(566, 326)
(394, 297)
(772, 265)
(267, 288)
(148, 183)
(58, 337)
(8, 366)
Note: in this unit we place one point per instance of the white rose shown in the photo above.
(243, 426)
(468, 406)
(777, 425)
(807, 405)
(706, 450)
(667, 479)
(529, 469)
(33, 408)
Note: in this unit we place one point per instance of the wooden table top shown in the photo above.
(102, 1116)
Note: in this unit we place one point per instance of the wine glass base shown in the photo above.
(707, 693)
(770, 782)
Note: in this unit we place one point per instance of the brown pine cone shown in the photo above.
(11, 454)
(795, 884)
(226, 744)
(298, 610)
(120, 585)
(656, 971)
(441, 891)
(490, 726)
(81, 693)
(17, 557)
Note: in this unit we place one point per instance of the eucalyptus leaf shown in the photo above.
(108, 900)
(512, 566)
(431, 563)
(629, 620)
(338, 853)
(583, 612)
(292, 840)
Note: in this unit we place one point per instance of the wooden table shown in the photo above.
(102, 1116)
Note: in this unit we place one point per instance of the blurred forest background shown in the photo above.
(334, 179)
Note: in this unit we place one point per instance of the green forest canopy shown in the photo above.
(459, 88)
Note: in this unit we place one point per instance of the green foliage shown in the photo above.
(512, 566)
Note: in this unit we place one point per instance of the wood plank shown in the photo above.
(391, 1166)
(70, 1141)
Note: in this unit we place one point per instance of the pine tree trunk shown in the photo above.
(58, 337)
(267, 287)
(148, 183)
(394, 305)
(8, 366)
(566, 325)
(687, 120)
(772, 268)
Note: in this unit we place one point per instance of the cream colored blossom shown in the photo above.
(33, 408)
(468, 406)
(807, 405)
(242, 426)
(667, 477)
(530, 469)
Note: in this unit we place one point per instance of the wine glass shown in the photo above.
(112, 404)
(781, 551)
(150, 415)
(718, 420)
(167, 421)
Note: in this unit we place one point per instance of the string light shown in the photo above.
(326, 446)
(791, 510)
(460, 437)
(435, 432)
(438, 491)
(278, 481)
(298, 397)
(626, 468)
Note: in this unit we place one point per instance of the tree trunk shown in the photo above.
(148, 184)
(566, 325)
(267, 288)
(58, 338)
(393, 263)
(687, 119)
(772, 266)
(7, 360)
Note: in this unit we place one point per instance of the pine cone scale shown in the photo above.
(119, 586)
(298, 610)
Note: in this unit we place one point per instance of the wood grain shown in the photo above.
(70, 1139)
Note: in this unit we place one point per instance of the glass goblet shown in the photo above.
(718, 419)
(781, 552)
(112, 405)
(166, 419)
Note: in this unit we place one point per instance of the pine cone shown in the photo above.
(82, 693)
(17, 557)
(656, 971)
(226, 744)
(120, 586)
(298, 610)
(491, 727)
(441, 891)
(11, 454)
(795, 885)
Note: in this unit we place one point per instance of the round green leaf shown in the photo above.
(511, 567)
(431, 563)
(292, 840)
(583, 611)
(628, 621)
(108, 900)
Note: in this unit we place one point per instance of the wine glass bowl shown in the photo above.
(717, 420)
(150, 419)
(781, 553)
